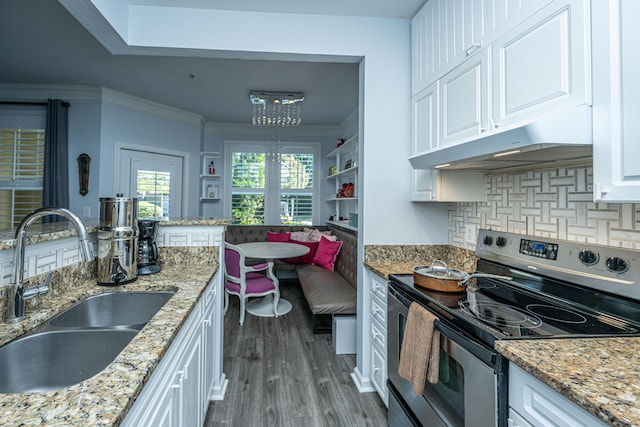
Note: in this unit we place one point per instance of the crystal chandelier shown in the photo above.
(276, 108)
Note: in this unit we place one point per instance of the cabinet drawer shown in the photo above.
(379, 288)
(379, 336)
(539, 404)
(379, 311)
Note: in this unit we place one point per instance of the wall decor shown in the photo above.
(84, 164)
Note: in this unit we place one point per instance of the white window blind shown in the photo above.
(272, 184)
(21, 174)
(154, 194)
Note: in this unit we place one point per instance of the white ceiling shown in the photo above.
(40, 42)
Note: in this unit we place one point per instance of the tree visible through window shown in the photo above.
(272, 185)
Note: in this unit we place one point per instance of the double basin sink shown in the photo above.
(77, 343)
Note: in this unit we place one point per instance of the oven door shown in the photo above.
(466, 394)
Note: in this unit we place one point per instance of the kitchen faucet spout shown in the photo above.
(17, 293)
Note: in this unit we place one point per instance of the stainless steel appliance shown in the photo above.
(557, 289)
(148, 257)
(117, 240)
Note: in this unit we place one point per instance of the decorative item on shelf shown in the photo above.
(84, 163)
(348, 164)
(345, 191)
(212, 191)
(333, 170)
(353, 219)
(276, 108)
(341, 141)
(211, 170)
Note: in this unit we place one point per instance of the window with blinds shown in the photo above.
(153, 191)
(21, 174)
(273, 184)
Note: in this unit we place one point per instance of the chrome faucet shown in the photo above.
(18, 294)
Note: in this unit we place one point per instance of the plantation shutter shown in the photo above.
(21, 174)
(273, 184)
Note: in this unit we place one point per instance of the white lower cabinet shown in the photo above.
(533, 403)
(378, 334)
(177, 393)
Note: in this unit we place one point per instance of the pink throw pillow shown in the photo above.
(327, 253)
(304, 259)
(278, 237)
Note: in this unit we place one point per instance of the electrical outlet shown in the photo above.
(86, 212)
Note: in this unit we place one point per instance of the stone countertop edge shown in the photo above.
(601, 375)
(106, 398)
(56, 231)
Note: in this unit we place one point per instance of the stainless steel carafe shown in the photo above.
(117, 240)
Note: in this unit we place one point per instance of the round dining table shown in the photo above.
(270, 251)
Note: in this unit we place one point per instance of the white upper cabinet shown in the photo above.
(425, 119)
(616, 101)
(445, 33)
(464, 100)
(542, 63)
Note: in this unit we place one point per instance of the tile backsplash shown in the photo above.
(555, 203)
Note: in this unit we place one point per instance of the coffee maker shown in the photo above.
(148, 258)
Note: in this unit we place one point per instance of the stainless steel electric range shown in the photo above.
(557, 289)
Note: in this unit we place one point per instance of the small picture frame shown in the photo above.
(348, 164)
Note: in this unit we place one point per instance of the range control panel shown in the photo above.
(608, 268)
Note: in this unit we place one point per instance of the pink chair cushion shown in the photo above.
(256, 283)
(327, 253)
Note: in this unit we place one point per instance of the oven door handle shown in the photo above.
(482, 352)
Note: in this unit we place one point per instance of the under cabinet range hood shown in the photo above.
(563, 135)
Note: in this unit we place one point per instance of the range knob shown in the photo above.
(588, 257)
(617, 265)
(488, 240)
(501, 241)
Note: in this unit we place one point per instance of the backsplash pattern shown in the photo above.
(555, 203)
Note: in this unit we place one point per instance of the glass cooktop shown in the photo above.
(527, 307)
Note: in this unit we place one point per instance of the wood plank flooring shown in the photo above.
(281, 374)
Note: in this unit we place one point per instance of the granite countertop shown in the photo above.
(47, 232)
(601, 375)
(106, 398)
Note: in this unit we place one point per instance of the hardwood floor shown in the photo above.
(281, 374)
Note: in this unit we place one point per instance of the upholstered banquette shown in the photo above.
(327, 292)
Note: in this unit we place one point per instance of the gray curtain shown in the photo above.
(55, 191)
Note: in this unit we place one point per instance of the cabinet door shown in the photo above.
(616, 101)
(165, 410)
(379, 372)
(500, 16)
(424, 185)
(421, 49)
(542, 64)
(464, 101)
(191, 383)
(424, 119)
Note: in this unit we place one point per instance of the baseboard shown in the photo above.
(363, 384)
(218, 391)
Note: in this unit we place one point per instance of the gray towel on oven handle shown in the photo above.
(420, 352)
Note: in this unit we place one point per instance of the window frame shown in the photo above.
(273, 188)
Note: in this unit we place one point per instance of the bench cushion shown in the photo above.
(327, 292)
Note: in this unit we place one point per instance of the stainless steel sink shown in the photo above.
(56, 359)
(116, 309)
(78, 343)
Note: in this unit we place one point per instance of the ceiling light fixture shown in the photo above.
(276, 108)
(506, 153)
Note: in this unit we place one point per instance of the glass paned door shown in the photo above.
(156, 180)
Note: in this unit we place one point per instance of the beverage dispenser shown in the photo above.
(117, 240)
